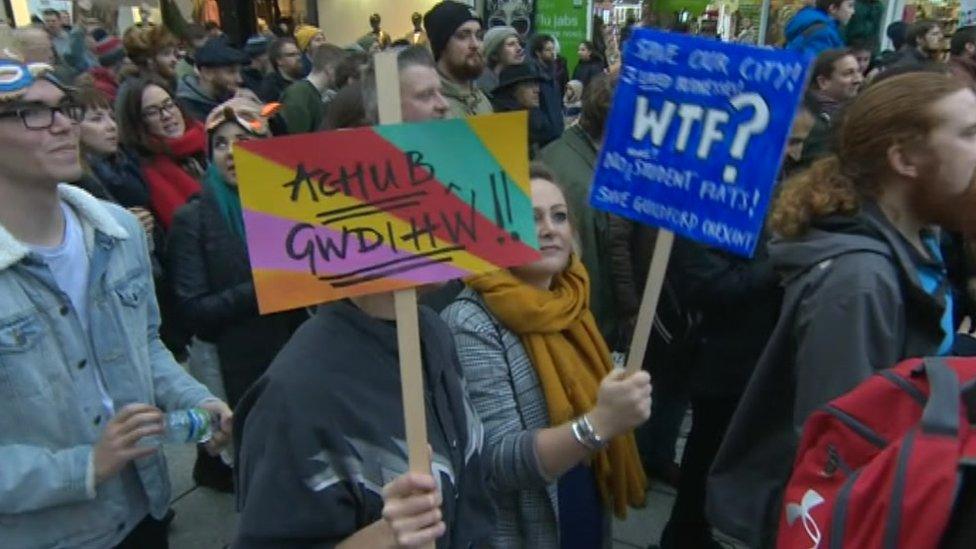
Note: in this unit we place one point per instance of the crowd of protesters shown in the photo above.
(126, 291)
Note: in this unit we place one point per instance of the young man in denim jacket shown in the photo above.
(84, 377)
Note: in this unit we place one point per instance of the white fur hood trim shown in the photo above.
(93, 213)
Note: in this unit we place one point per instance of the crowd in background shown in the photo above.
(865, 262)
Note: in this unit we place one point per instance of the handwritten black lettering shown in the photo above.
(416, 232)
(454, 228)
(303, 177)
(307, 251)
(363, 180)
(385, 181)
(399, 261)
(420, 172)
(351, 245)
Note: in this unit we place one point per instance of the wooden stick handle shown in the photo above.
(648, 306)
(408, 332)
(412, 380)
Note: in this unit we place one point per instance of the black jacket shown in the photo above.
(322, 432)
(119, 174)
(586, 70)
(539, 128)
(273, 87)
(214, 293)
(738, 301)
(550, 105)
(853, 305)
(252, 78)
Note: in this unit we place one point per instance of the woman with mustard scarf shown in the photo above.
(558, 418)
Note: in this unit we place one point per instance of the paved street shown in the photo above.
(206, 519)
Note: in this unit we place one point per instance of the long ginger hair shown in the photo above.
(895, 111)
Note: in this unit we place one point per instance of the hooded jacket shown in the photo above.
(193, 100)
(812, 31)
(853, 304)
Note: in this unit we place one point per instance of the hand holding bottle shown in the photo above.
(118, 443)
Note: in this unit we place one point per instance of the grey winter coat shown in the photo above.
(853, 305)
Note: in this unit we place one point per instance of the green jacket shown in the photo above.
(573, 159)
(866, 24)
(302, 107)
(464, 100)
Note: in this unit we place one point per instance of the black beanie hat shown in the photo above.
(443, 19)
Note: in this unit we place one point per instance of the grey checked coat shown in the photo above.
(505, 390)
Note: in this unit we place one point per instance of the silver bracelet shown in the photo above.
(584, 434)
(577, 428)
(598, 441)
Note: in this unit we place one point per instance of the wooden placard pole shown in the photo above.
(408, 332)
(648, 306)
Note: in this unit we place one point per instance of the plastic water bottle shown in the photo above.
(189, 426)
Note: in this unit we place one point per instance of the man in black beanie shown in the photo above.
(454, 31)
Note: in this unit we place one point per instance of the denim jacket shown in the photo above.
(48, 423)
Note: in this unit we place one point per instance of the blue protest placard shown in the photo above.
(696, 136)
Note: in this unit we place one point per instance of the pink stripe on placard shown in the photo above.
(268, 236)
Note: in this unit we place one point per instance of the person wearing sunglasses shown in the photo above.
(78, 337)
(171, 146)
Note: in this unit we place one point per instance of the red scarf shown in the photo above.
(170, 186)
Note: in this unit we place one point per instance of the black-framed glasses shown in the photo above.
(41, 117)
(156, 112)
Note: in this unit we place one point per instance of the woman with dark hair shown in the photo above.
(111, 172)
(171, 146)
(558, 417)
(590, 63)
(209, 272)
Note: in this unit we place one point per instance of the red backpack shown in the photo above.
(880, 466)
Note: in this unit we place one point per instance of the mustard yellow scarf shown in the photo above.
(570, 356)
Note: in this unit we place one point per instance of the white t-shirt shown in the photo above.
(69, 263)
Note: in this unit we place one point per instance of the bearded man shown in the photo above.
(455, 34)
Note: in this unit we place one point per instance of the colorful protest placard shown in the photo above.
(353, 212)
(696, 136)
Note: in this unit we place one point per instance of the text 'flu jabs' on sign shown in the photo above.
(353, 212)
(696, 136)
